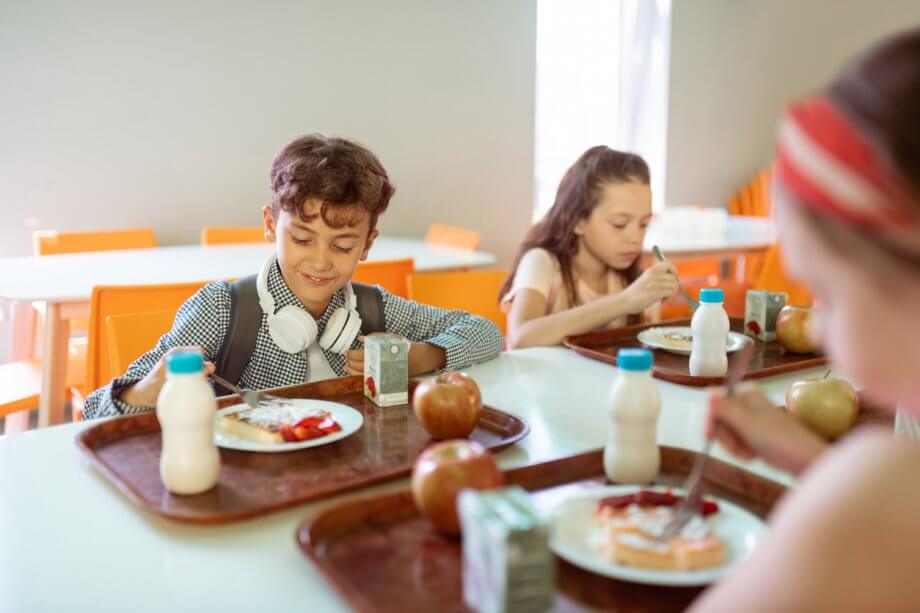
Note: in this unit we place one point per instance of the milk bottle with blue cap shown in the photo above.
(709, 328)
(631, 454)
(189, 462)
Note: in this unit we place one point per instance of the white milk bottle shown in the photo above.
(709, 328)
(189, 462)
(631, 454)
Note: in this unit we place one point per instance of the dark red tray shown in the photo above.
(769, 359)
(127, 451)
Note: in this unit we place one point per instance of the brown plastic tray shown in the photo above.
(127, 451)
(382, 556)
(770, 359)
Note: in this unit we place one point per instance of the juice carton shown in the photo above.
(507, 562)
(386, 369)
(760, 310)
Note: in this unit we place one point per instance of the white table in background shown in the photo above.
(70, 541)
(64, 284)
(740, 237)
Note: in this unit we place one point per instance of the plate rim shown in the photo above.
(743, 338)
(251, 446)
(639, 575)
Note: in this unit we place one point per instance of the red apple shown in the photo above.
(449, 406)
(792, 330)
(442, 471)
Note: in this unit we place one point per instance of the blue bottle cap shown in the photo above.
(712, 295)
(635, 359)
(184, 362)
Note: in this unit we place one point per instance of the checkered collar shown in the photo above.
(284, 297)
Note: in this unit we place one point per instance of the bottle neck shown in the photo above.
(184, 375)
(635, 374)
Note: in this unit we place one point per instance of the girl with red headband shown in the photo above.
(848, 210)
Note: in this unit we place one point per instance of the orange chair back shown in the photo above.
(773, 277)
(474, 291)
(109, 300)
(391, 274)
(49, 242)
(699, 269)
(452, 236)
(754, 198)
(223, 235)
(132, 334)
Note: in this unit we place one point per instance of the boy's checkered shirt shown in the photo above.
(204, 320)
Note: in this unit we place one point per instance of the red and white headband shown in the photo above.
(830, 166)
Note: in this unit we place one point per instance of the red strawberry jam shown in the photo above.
(649, 498)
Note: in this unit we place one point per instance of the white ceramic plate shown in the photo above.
(575, 532)
(348, 418)
(676, 339)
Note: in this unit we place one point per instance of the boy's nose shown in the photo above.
(319, 260)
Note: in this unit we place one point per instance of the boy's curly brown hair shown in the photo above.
(346, 177)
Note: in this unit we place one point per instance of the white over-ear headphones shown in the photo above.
(294, 329)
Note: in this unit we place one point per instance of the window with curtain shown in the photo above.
(602, 79)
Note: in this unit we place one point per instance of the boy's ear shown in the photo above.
(370, 241)
(268, 219)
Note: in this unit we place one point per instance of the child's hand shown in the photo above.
(423, 358)
(655, 284)
(750, 426)
(354, 360)
(144, 393)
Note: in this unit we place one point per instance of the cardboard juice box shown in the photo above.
(507, 562)
(760, 310)
(386, 369)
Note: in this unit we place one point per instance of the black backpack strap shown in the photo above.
(370, 308)
(240, 342)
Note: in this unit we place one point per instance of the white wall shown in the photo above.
(734, 63)
(125, 113)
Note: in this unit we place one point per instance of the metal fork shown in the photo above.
(693, 302)
(251, 397)
(692, 502)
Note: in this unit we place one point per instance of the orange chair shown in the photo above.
(214, 235)
(754, 200)
(109, 300)
(698, 274)
(133, 334)
(20, 381)
(50, 242)
(474, 291)
(391, 274)
(452, 236)
(773, 277)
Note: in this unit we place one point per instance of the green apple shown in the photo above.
(826, 406)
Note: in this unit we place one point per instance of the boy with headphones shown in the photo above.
(327, 194)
